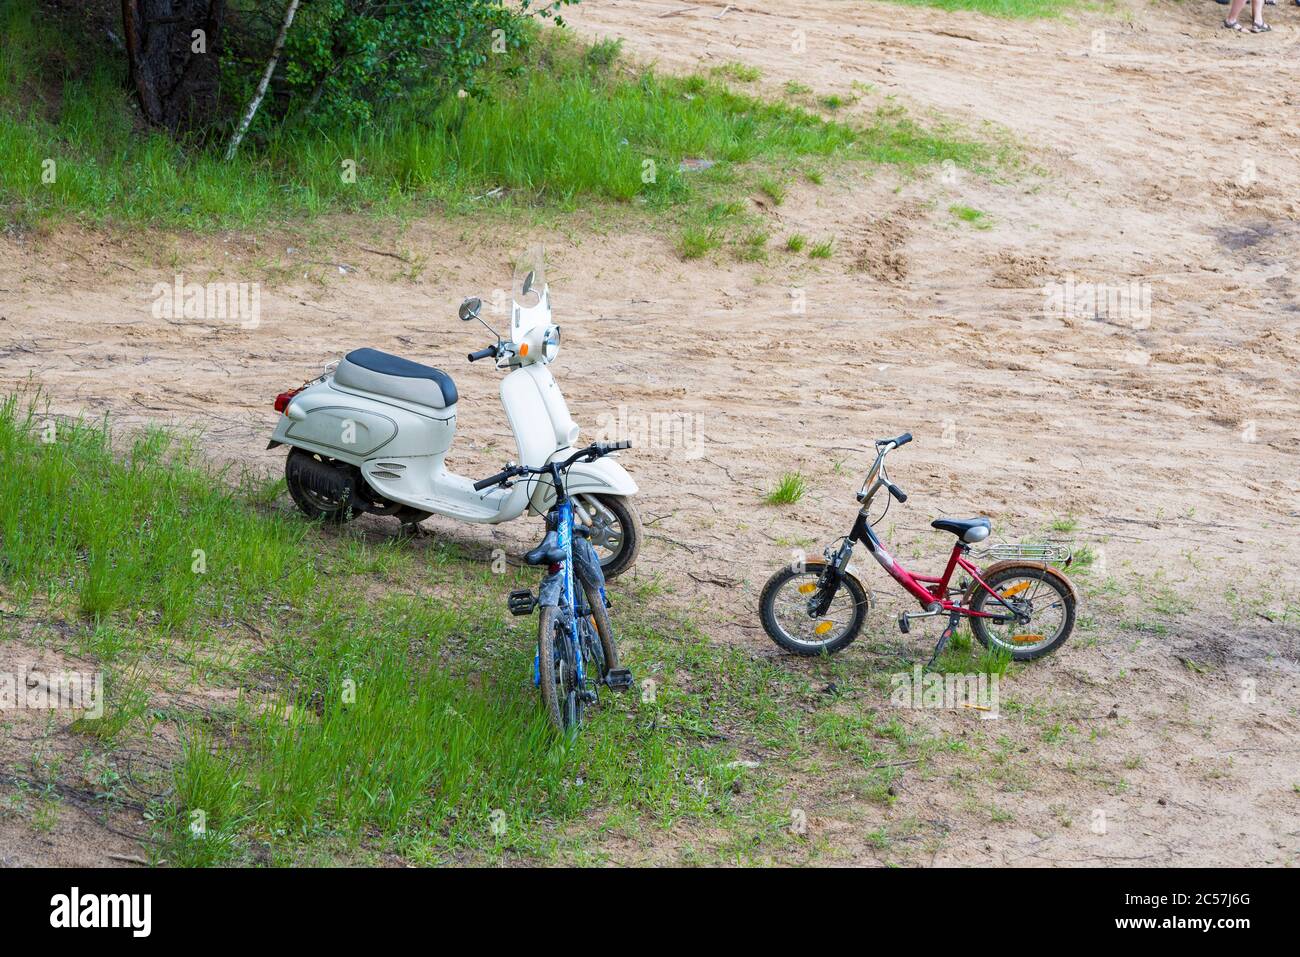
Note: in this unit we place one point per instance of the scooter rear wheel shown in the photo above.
(309, 476)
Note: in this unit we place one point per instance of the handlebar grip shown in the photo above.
(491, 480)
(604, 448)
(483, 353)
(897, 492)
(903, 439)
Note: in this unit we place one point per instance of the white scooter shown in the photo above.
(371, 435)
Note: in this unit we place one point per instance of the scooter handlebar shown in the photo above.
(484, 353)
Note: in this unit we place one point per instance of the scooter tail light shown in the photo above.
(282, 400)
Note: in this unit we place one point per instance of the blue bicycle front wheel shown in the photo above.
(558, 671)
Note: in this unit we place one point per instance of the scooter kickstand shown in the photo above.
(409, 531)
(953, 620)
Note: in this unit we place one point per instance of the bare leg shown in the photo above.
(1235, 9)
(1257, 10)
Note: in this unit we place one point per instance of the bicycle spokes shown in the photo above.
(1039, 613)
(795, 601)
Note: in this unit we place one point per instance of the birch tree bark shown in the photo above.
(261, 87)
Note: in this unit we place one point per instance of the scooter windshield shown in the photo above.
(531, 308)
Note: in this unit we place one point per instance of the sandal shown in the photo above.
(1260, 27)
(1232, 25)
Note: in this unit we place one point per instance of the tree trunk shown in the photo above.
(266, 79)
(176, 85)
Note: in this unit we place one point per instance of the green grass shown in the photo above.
(574, 125)
(384, 703)
(152, 533)
(753, 247)
(773, 188)
(975, 217)
(1006, 9)
(822, 249)
(796, 242)
(788, 490)
(740, 72)
(384, 707)
(697, 241)
(393, 719)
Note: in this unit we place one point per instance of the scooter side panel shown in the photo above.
(353, 427)
(421, 430)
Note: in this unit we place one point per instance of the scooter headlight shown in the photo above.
(551, 343)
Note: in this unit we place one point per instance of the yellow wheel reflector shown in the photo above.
(1026, 639)
(1015, 590)
(808, 588)
(823, 627)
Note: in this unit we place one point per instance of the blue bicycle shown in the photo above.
(574, 639)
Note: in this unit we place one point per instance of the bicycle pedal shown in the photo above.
(521, 601)
(904, 625)
(619, 679)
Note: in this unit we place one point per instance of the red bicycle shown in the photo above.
(1019, 603)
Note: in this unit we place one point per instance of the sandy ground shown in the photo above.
(1165, 155)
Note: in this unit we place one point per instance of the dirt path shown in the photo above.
(1171, 437)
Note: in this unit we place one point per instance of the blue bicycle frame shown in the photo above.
(563, 512)
(557, 551)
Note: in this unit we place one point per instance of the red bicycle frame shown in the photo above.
(931, 592)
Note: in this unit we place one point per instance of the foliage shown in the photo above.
(344, 59)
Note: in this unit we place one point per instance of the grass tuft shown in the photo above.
(788, 490)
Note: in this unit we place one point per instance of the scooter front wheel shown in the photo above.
(615, 527)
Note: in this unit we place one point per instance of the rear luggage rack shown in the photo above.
(1051, 553)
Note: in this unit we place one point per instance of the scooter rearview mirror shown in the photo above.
(469, 309)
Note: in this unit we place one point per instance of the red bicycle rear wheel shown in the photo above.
(1038, 591)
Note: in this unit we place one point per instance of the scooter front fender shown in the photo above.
(601, 477)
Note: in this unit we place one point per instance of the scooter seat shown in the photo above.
(370, 370)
